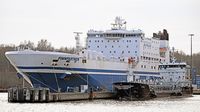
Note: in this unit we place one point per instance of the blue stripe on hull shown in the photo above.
(149, 73)
(74, 69)
(89, 70)
(94, 80)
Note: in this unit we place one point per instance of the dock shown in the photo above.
(3, 90)
(44, 95)
(196, 92)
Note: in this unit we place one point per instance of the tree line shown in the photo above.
(44, 45)
(183, 57)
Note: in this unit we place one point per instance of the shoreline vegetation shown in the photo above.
(8, 75)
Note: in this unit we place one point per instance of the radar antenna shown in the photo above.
(119, 23)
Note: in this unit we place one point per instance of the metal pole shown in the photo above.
(191, 35)
(23, 82)
(87, 82)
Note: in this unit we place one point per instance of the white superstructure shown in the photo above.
(118, 42)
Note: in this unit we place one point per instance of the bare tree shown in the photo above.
(44, 45)
(66, 50)
(27, 45)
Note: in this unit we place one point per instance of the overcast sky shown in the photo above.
(56, 20)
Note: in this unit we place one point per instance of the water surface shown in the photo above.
(189, 104)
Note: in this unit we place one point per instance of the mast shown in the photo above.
(119, 24)
(77, 38)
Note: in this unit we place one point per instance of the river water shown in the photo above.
(189, 104)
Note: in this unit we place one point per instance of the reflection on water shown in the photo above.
(189, 104)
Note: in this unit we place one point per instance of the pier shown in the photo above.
(3, 90)
(196, 92)
(44, 95)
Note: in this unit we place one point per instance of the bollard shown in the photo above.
(47, 95)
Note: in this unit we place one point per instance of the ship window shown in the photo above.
(141, 66)
(114, 51)
(129, 40)
(101, 51)
(88, 46)
(108, 40)
(101, 40)
(89, 40)
(117, 40)
(128, 51)
(122, 52)
(105, 46)
(95, 41)
(112, 46)
(127, 46)
(135, 40)
(55, 60)
(110, 51)
(113, 40)
(97, 46)
(135, 51)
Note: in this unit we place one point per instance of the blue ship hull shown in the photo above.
(54, 81)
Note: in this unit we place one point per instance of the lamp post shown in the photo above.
(191, 35)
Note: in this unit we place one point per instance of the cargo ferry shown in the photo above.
(110, 56)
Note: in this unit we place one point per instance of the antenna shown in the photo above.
(119, 23)
(173, 57)
(77, 38)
